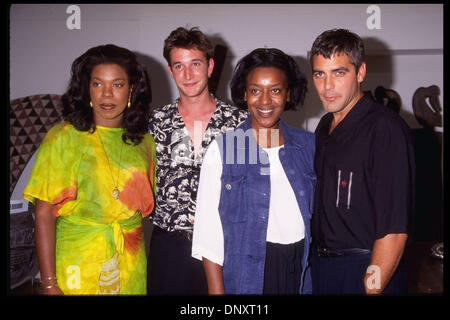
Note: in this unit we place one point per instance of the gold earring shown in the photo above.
(129, 104)
(90, 103)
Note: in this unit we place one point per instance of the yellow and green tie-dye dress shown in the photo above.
(100, 245)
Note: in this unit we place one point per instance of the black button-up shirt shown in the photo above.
(365, 177)
(177, 167)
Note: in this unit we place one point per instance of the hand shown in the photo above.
(370, 291)
(53, 291)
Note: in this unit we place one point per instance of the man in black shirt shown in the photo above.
(365, 165)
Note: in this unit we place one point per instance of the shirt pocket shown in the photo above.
(233, 198)
(345, 188)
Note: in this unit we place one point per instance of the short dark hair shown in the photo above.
(188, 39)
(76, 109)
(269, 57)
(337, 41)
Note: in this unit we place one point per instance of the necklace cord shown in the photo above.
(115, 183)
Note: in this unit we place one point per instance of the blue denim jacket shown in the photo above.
(244, 203)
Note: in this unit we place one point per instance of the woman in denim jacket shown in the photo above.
(254, 202)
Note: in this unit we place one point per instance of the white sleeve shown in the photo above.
(207, 238)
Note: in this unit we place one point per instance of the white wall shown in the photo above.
(406, 53)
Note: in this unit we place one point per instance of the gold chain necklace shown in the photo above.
(115, 192)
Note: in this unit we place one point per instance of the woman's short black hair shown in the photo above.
(269, 57)
(77, 97)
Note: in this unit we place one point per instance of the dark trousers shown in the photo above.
(345, 275)
(171, 268)
(283, 268)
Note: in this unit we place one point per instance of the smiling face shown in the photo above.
(190, 71)
(266, 94)
(338, 83)
(109, 90)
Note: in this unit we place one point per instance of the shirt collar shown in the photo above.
(285, 130)
(218, 102)
(355, 115)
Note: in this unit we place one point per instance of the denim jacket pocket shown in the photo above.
(233, 198)
(310, 176)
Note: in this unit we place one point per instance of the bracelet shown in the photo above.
(50, 278)
(51, 286)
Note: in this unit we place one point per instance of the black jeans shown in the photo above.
(170, 267)
(345, 275)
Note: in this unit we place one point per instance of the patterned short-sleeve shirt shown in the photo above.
(178, 168)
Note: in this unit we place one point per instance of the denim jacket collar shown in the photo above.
(289, 141)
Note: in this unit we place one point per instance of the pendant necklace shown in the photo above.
(115, 192)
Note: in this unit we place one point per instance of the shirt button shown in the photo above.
(228, 186)
(302, 193)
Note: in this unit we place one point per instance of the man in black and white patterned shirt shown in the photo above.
(182, 131)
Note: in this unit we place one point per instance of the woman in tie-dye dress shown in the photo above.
(92, 180)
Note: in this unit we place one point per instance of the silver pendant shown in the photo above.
(116, 193)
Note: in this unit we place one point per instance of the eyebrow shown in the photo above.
(341, 69)
(193, 60)
(334, 70)
(117, 79)
(257, 85)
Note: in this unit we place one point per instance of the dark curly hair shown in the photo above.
(188, 39)
(269, 57)
(337, 41)
(76, 109)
